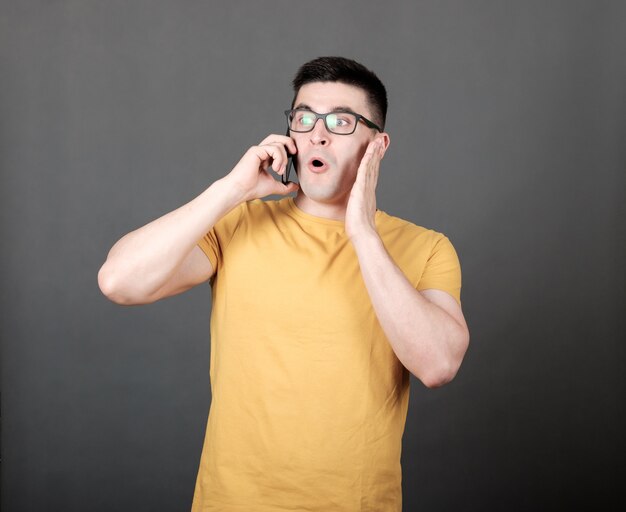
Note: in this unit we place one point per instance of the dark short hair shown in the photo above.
(346, 71)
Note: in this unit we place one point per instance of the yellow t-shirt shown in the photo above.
(309, 400)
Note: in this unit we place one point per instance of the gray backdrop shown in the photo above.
(507, 122)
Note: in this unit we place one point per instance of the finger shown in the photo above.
(374, 147)
(377, 156)
(271, 155)
(381, 148)
(371, 158)
(372, 153)
(284, 140)
(290, 187)
(279, 155)
(367, 175)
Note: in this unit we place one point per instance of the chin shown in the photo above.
(321, 194)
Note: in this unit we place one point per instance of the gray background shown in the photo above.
(507, 122)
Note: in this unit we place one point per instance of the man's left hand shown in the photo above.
(361, 209)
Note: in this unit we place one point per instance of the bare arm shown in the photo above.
(426, 329)
(161, 258)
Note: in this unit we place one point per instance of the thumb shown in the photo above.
(281, 189)
(290, 187)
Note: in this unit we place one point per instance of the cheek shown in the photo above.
(353, 156)
(298, 142)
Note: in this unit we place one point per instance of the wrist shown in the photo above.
(216, 201)
(364, 237)
(231, 191)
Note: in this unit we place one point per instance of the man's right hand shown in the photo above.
(162, 258)
(251, 177)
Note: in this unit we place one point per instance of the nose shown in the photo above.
(319, 134)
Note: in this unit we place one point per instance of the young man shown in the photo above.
(322, 304)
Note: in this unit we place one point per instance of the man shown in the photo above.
(322, 304)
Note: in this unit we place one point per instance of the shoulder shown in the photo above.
(260, 214)
(395, 229)
(248, 212)
(426, 256)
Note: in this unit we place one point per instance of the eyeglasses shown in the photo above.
(342, 122)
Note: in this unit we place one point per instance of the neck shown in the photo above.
(334, 211)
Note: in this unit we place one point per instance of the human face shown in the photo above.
(327, 162)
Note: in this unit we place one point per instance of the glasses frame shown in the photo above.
(359, 117)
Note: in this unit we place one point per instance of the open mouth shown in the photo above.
(317, 165)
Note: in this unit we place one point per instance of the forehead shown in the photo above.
(328, 96)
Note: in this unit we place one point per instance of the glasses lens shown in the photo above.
(341, 122)
(302, 120)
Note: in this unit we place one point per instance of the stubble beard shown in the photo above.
(327, 192)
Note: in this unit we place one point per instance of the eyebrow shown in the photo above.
(334, 109)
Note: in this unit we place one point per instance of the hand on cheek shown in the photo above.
(361, 209)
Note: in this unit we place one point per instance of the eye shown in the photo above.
(341, 120)
(305, 118)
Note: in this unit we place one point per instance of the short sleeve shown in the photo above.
(218, 238)
(443, 269)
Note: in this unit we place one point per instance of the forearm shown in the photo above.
(158, 259)
(426, 339)
(142, 261)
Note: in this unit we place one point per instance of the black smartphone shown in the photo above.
(292, 162)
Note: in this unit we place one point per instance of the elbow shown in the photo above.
(111, 287)
(445, 372)
(436, 379)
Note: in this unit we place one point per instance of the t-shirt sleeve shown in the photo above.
(443, 269)
(217, 239)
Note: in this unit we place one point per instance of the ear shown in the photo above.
(384, 137)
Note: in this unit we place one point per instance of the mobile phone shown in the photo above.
(291, 162)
